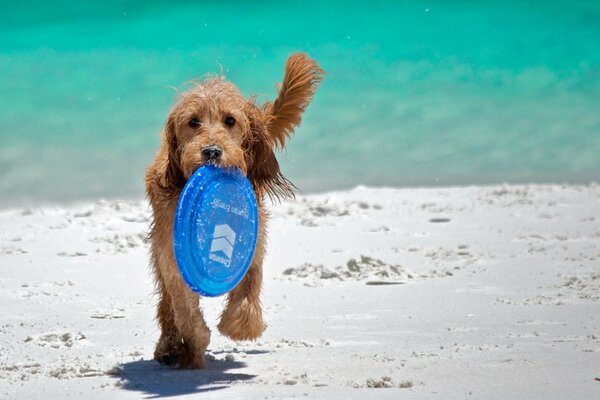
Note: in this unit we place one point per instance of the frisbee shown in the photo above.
(215, 229)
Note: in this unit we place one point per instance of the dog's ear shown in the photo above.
(263, 169)
(302, 76)
(173, 179)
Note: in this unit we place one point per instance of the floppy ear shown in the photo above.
(302, 76)
(173, 180)
(263, 169)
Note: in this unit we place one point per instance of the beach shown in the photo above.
(444, 242)
(457, 292)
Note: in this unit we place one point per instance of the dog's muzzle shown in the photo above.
(212, 153)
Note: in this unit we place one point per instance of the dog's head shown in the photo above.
(213, 123)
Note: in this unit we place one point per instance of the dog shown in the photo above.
(214, 123)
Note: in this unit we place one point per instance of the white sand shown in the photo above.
(494, 294)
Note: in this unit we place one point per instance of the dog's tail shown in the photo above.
(302, 76)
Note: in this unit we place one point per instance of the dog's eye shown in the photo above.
(229, 121)
(194, 123)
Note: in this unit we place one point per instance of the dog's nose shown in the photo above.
(212, 152)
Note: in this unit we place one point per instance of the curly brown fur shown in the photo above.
(201, 119)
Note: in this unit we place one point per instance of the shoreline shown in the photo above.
(488, 291)
(75, 203)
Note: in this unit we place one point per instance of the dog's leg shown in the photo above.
(182, 324)
(169, 347)
(187, 317)
(242, 317)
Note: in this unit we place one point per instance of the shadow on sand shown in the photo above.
(154, 380)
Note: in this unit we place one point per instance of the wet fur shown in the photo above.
(249, 145)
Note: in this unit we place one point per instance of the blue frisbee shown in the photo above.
(215, 229)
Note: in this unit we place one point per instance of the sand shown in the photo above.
(480, 292)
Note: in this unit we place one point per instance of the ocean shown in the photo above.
(417, 93)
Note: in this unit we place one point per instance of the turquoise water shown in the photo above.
(417, 92)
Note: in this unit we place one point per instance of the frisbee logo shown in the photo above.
(223, 241)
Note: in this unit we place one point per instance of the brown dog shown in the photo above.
(214, 123)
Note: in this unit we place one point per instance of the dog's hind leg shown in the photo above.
(242, 317)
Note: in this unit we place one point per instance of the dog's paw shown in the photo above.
(170, 357)
(242, 321)
(190, 359)
(168, 351)
(167, 359)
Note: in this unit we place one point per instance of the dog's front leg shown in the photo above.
(242, 317)
(169, 347)
(187, 316)
(192, 334)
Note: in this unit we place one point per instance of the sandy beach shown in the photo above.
(468, 292)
